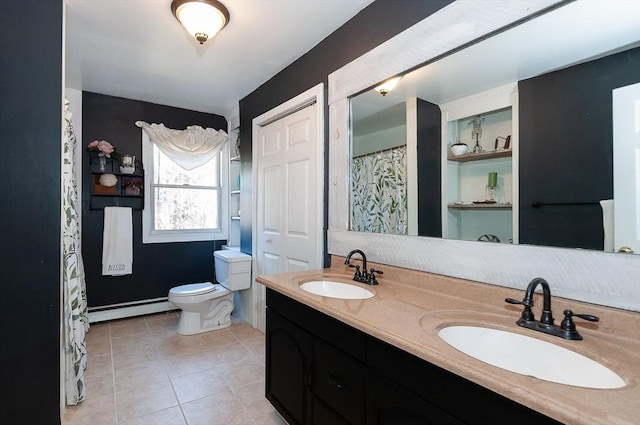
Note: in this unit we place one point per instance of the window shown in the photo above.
(182, 205)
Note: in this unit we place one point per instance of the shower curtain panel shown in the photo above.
(379, 192)
(74, 295)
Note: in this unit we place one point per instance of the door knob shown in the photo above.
(625, 250)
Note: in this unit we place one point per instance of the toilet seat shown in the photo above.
(192, 289)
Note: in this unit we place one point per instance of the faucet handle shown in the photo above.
(357, 274)
(568, 328)
(372, 276)
(568, 325)
(527, 314)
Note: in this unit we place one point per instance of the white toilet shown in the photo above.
(205, 306)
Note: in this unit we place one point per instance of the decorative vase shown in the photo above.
(459, 148)
(102, 162)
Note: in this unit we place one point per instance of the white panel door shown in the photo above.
(288, 212)
(626, 166)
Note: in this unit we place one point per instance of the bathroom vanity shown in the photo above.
(380, 360)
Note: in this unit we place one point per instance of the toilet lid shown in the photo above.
(193, 289)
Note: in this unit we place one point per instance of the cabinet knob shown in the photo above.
(335, 382)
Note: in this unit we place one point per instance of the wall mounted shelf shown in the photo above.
(480, 206)
(480, 156)
(127, 192)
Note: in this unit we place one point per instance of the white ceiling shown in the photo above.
(574, 33)
(136, 48)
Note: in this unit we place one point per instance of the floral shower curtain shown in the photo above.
(74, 295)
(379, 192)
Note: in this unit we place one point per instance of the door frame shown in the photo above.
(316, 94)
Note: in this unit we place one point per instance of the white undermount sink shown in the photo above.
(530, 356)
(333, 289)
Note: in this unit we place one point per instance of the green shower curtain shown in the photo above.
(74, 296)
(379, 192)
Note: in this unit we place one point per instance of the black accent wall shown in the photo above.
(156, 267)
(30, 128)
(566, 149)
(429, 169)
(375, 24)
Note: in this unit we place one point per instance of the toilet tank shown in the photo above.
(233, 269)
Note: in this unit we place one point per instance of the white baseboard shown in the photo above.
(120, 311)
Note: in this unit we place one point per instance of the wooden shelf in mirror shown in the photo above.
(480, 206)
(504, 153)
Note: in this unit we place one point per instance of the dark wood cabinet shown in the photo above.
(308, 379)
(288, 368)
(322, 371)
(391, 404)
(460, 400)
(340, 381)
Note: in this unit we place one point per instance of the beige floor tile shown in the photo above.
(98, 364)
(180, 345)
(252, 398)
(97, 347)
(271, 418)
(98, 331)
(140, 371)
(222, 409)
(125, 327)
(164, 321)
(123, 343)
(135, 355)
(144, 400)
(171, 416)
(217, 338)
(229, 354)
(244, 330)
(250, 392)
(92, 411)
(188, 364)
(173, 315)
(240, 374)
(143, 374)
(98, 385)
(160, 333)
(255, 345)
(199, 385)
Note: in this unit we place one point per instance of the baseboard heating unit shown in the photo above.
(130, 309)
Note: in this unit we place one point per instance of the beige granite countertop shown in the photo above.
(410, 307)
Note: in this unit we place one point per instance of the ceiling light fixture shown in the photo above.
(202, 18)
(387, 86)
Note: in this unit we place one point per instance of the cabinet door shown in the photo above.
(390, 404)
(340, 381)
(323, 414)
(288, 369)
(468, 402)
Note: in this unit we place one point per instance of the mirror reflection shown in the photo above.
(509, 140)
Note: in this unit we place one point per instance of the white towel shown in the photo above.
(117, 242)
(607, 224)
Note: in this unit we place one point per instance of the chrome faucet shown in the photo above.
(362, 276)
(567, 328)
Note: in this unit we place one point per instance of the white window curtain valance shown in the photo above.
(189, 148)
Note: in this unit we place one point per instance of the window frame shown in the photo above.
(150, 234)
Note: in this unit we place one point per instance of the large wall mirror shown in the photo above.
(406, 179)
(525, 72)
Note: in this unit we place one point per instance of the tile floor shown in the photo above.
(140, 372)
